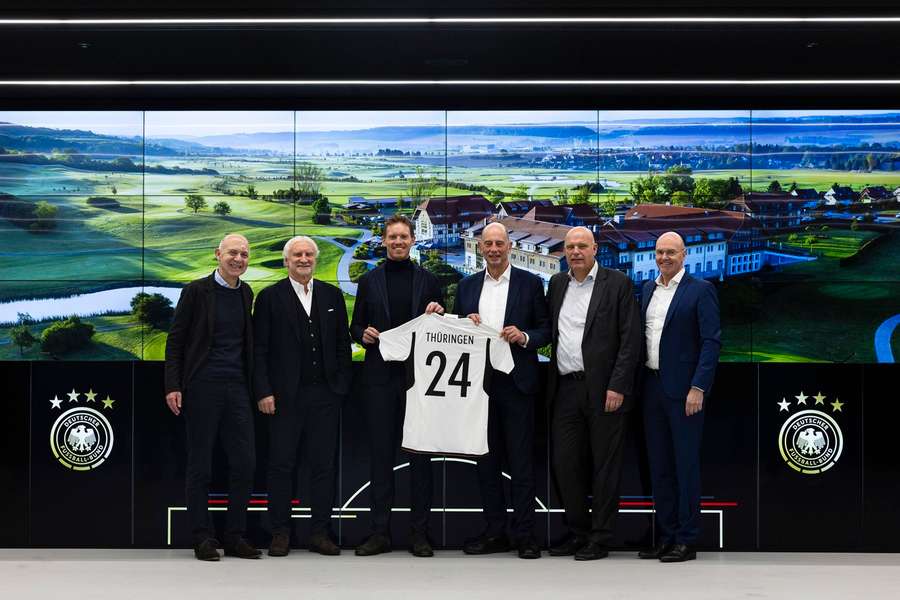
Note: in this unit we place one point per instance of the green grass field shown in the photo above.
(828, 244)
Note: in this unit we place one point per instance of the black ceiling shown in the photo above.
(432, 51)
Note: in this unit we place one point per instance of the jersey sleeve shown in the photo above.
(501, 355)
(394, 344)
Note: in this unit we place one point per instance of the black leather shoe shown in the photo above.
(241, 548)
(377, 543)
(679, 553)
(321, 543)
(528, 548)
(206, 550)
(487, 544)
(280, 545)
(657, 551)
(591, 551)
(568, 546)
(420, 546)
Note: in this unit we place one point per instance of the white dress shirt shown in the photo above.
(572, 319)
(492, 303)
(656, 316)
(304, 295)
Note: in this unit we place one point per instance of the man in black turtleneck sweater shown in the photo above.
(387, 297)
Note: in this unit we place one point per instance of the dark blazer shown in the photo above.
(690, 342)
(277, 340)
(611, 346)
(371, 309)
(191, 334)
(526, 308)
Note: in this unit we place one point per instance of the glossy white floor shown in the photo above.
(155, 574)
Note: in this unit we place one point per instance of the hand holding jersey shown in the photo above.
(447, 381)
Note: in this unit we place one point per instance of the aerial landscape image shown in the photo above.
(794, 215)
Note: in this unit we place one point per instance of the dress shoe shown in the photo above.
(420, 546)
(569, 546)
(241, 548)
(206, 550)
(657, 551)
(679, 553)
(281, 545)
(591, 551)
(377, 543)
(323, 544)
(487, 544)
(528, 548)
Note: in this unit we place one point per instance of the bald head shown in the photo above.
(580, 249)
(495, 248)
(670, 255)
(233, 256)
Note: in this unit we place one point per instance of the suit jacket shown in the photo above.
(526, 308)
(690, 342)
(611, 346)
(372, 308)
(277, 340)
(191, 334)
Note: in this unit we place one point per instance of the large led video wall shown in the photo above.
(794, 214)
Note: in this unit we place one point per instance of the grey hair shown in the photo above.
(299, 238)
(230, 235)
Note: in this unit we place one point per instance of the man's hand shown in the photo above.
(173, 399)
(267, 405)
(434, 307)
(370, 335)
(513, 335)
(476, 318)
(694, 402)
(613, 400)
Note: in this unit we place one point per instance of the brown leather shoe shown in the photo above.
(321, 543)
(281, 545)
(206, 550)
(241, 548)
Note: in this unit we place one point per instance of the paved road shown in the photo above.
(883, 352)
(343, 269)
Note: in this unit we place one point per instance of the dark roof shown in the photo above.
(454, 209)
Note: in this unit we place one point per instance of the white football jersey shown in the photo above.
(448, 370)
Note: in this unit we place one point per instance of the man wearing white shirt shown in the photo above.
(596, 348)
(302, 369)
(511, 301)
(681, 337)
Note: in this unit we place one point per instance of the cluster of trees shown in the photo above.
(57, 339)
(196, 203)
(864, 157)
(358, 269)
(36, 217)
(393, 152)
(678, 186)
(447, 276)
(154, 310)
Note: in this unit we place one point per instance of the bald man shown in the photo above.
(511, 301)
(596, 348)
(681, 341)
(209, 355)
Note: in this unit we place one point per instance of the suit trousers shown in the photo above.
(510, 433)
(385, 409)
(312, 419)
(587, 445)
(213, 409)
(673, 447)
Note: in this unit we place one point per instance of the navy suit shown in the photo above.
(512, 401)
(688, 355)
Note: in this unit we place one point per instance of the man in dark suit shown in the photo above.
(209, 362)
(681, 333)
(512, 301)
(387, 297)
(302, 369)
(596, 348)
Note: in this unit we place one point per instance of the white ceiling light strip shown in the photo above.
(449, 82)
(445, 20)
